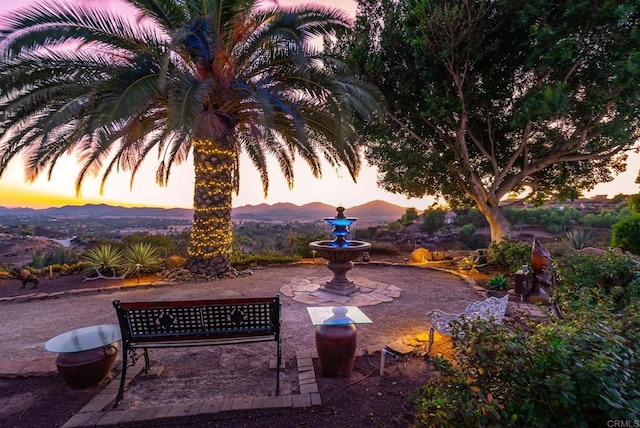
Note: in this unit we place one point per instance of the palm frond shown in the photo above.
(227, 71)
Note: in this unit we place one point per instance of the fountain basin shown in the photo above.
(340, 254)
(340, 261)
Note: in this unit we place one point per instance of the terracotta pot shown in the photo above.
(85, 369)
(336, 345)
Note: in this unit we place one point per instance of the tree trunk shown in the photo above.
(211, 233)
(499, 225)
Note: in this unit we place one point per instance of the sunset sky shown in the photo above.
(335, 187)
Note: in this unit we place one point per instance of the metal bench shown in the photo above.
(492, 309)
(195, 323)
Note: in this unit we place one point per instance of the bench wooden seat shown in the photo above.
(196, 323)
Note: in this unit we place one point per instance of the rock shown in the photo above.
(593, 251)
(420, 256)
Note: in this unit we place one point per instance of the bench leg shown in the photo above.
(123, 375)
(129, 354)
(147, 365)
(278, 369)
(430, 343)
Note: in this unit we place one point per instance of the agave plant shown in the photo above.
(471, 263)
(577, 239)
(498, 282)
(104, 261)
(141, 257)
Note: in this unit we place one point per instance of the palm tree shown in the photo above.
(214, 78)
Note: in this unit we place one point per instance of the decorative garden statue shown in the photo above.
(542, 273)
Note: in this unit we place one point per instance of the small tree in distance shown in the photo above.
(409, 216)
(634, 203)
(434, 218)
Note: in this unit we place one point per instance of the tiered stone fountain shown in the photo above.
(340, 254)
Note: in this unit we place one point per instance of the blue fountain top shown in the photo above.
(335, 221)
(340, 225)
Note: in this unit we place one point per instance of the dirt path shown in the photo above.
(195, 374)
(26, 326)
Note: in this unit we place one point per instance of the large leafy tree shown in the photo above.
(212, 78)
(490, 97)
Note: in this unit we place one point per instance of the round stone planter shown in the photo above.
(84, 369)
(336, 346)
(86, 355)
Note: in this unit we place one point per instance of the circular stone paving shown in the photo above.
(309, 290)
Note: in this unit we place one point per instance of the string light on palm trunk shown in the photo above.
(212, 232)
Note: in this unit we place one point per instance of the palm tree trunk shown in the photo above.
(211, 232)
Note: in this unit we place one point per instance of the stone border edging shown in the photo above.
(113, 288)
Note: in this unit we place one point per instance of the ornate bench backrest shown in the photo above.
(147, 322)
(491, 308)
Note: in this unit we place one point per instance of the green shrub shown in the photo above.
(64, 268)
(245, 260)
(467, 235)
(510, 254)
(301, 244)
(60, 256)
(553, 219)
(626, 234)
(563, 373)
(395, 225)
(366, 234)
(605, 218)
(586, 280)
(466, 231)
(634, 203)
(433, 218)
(470, 215)
(409, 216)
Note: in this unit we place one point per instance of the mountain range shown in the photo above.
(374, 211)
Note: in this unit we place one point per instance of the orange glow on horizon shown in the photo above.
(38, 199)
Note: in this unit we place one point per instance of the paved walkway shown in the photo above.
(303, 289)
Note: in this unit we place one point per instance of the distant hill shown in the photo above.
(375, 211)
(100, 210)
(283, 211)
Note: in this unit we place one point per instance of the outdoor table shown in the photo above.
(336, 337)
(86, 355)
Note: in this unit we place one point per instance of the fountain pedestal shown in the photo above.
(339, 283)
(340, 262)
